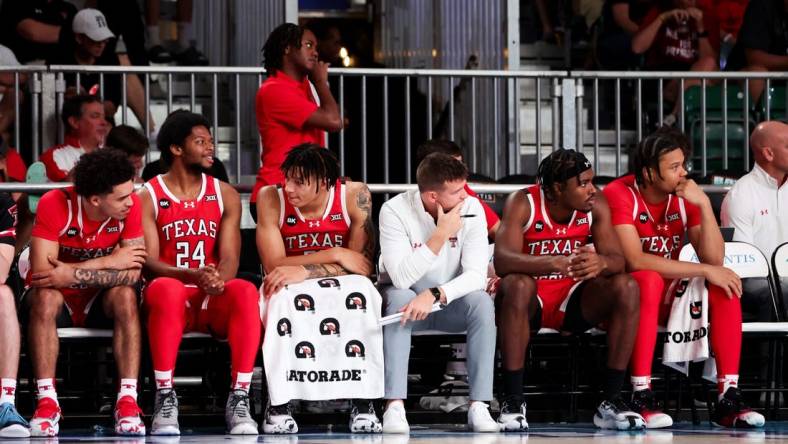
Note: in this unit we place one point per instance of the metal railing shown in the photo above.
(506, 121)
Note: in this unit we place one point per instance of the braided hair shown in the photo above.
(311, 161)
(647, 153)
(560, 166)
(286, 35)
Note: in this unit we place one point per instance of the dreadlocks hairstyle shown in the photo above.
(560, 166)
(437, 146)
(313, 162)
(647, 153)
(438, 168)
(286, 35)
(99, 171)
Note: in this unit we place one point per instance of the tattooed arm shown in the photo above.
(362, 231)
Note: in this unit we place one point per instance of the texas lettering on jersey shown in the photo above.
(306, 236)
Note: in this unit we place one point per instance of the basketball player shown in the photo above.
(652, 210)
(553, 277)
(86, 254)
(192, 232)
(314, 225)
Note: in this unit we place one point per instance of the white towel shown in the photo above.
(322, 340)
(687, 332)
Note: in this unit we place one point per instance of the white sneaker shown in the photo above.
(616, 414)
(479, 419)
(512, 417)
(279, 420)
(394, 420)
(364, 419)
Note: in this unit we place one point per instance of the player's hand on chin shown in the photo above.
(688, 190)
(418, 308)
(281, 276)
(353, 261)
(61, 276)
(585, 264)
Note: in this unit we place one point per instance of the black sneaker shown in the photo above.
(732, 412)
(363, 418)
(278, 419)
(512, 417)
(643, 403)
(616, 414)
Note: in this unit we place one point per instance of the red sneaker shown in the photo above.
(128, 417)
(46, 419)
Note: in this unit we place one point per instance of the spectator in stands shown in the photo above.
(12, 167)
(329, 41)
(762, 44)
(133, 143)
(36, 30)
(85, 131)
(8, 91)
(86, 254)
(287, 112)
(676, 35)
(452, 149)
(196, 268)
(91, 37)
(312, 184)
(652, 211)
(12, 425)
(187, 55)
(620, 21)
(552, 277)
(756, 207)
(433, 244)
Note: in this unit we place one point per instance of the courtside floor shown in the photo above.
(540, 433)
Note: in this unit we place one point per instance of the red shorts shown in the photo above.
(554, 296)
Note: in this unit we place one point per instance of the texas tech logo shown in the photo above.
(291, 220)
(71, 232)
(304, 302)
(356, 301)
(696, 309)
(329, 326)
(643, 217)
(164, 203)
(284, 327)
(328, 283)
(354, 349)
(305, 350)
(539, 226)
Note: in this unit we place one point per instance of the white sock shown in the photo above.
(153, 35)
(163, 379)
(726, 382)
(46, 388)
(242, 381)
(128, 387)
(640, 383)
(185, 34)
(7, 390)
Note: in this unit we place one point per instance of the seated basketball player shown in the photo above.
(192, 233)
(12, 425)
(652, 210)
(315, 225)
(86, 254)
(553, 277)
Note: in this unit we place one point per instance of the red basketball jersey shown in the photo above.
(543, 236)
(305, 236)
(660, 226)
(187, 228)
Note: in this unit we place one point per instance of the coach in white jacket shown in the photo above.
(433, 246)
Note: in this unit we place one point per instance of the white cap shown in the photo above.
(7, 57)
(93, 24)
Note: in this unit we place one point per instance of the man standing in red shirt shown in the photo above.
(85, 256)
(287, 112)
(652, 210)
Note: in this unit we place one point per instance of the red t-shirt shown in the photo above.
(305, 236)
(282, 106)
(188, 229)
(676, 44)
(660, 226)
(15, 168)
(59, 160)
(489, 214)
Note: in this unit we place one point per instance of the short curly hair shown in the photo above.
(286, 35)
(175, 129)
(647, 153)
(99, 171)
(312, 162)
